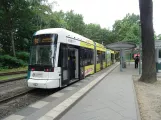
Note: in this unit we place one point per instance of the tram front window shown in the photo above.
(42, 55)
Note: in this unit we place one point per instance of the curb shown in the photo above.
(136, 102)
(58, 111)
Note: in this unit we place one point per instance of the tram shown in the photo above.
(59, 57)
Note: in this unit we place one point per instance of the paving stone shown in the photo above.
(58, 94)
(49, 99)
(111, 99)
(39, 104)
(14, 117)
(46, 118)
(27, 111)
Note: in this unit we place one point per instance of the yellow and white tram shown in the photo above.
(59, 57)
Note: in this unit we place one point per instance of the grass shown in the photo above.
(13, 70)
(131, 60)
(12, 76)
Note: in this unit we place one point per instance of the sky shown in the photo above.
(105, 12)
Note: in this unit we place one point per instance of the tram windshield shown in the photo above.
(42, 55)
(43, 49)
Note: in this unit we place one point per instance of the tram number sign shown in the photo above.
(71, 40)
(39, 75)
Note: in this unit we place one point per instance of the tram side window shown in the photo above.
(98, 56)
(103, 56)
(112, 57)
(86, 54)
(82, 57)
(89, 56)
(65, 57)
(86, 57)
(92, 56)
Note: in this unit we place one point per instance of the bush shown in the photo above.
(23, 56)
(1, 51)
(7, 61)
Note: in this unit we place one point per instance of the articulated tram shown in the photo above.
(59, 57)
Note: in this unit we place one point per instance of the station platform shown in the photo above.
(106, 95)
(112, 99)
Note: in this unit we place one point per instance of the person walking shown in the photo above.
(136, 61)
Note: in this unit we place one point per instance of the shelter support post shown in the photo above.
(121, 60)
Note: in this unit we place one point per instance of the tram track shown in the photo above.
(16, 100)
(12, 79)
(16, 95)
(12, 73)
(19, 101)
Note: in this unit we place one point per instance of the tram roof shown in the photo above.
(67, 33)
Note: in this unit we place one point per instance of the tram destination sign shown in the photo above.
(42, 40)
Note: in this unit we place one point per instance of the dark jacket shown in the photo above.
(137, 59)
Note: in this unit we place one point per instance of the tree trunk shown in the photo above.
(148, 47)
(13, 44)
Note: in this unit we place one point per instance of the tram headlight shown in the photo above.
(32, 69)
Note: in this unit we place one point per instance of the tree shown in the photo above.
(127, 29)
(21, 18)
(74, 22)
(92, 31)
(147, 36)
(13, 13)
(58, 20)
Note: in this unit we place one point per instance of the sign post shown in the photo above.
(121, 60)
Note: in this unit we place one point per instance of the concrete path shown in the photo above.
(55, 105)
(112, 99)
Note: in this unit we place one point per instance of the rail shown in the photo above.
(12, 73)
(12, 79)
(16, 95)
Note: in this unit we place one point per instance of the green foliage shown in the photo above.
(23, 56)
(92, 31)
(158, 37)
(74, 22)
(7, 61)
(128, 29)
(3, 70)
(23, 17)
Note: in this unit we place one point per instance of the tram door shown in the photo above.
(72, 64)
(68, 61)
(63, 58)
(101, 60)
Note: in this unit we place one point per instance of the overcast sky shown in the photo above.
(105, 12)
